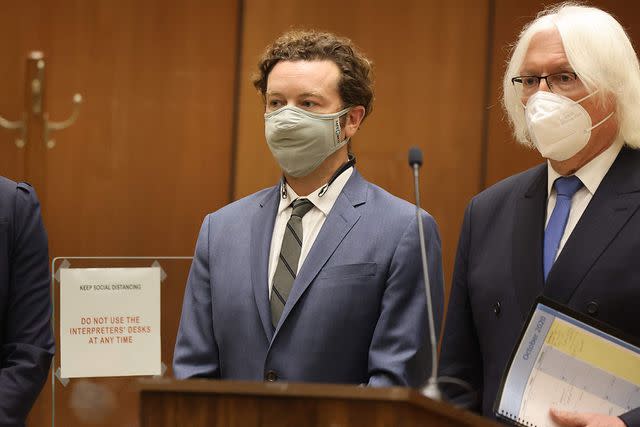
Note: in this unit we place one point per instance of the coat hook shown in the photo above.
(35, 95)
(8, 124)
(51, 125)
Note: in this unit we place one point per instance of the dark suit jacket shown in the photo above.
(26, 339)
(498, 271)
(356, 312)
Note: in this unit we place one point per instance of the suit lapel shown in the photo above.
(527, 240)
(341, 219)
(261, 232)
(615, 201)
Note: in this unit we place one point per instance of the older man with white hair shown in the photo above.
(569, 228)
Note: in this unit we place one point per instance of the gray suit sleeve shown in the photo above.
(196, 351)
(400, 352)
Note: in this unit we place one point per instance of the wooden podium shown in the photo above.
(195, 403)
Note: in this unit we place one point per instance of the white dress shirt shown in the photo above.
(311, 223)
(591, 176)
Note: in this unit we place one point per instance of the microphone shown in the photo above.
(431, 389)
(415, 158)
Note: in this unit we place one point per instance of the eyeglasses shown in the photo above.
(566, 83)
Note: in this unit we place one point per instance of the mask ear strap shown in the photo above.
(589, 95)
(338, 126)
(600, 122)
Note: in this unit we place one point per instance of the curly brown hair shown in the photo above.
(356, 80)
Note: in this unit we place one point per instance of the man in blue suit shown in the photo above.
(26, 338)
(318, 278)
(569, 228)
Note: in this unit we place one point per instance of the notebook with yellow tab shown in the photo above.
(571, 362)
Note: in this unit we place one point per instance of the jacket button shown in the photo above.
(592, 308)
(271, 376)
(496, 308)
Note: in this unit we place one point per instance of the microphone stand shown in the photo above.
(431, 389)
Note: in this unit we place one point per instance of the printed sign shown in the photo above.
(109, 322)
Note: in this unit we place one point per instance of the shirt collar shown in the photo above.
(324, 203)
(593, 172)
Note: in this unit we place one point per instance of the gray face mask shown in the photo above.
(300, 140)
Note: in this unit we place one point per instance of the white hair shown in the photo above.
(601, 54)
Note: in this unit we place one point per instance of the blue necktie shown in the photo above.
(565, 187)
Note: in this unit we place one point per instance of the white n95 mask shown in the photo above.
(301, 140)
(558, 126)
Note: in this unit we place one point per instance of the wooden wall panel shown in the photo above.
(429, 60)
(505, 156)
(152, 150)
(150, 153)
(15, 19)
(149, 156)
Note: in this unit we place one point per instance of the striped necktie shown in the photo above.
(287, 267)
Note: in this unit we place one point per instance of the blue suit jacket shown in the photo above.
(498, 272)
(356, 312)
(26, 339)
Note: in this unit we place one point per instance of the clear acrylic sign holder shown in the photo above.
(114, 401)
